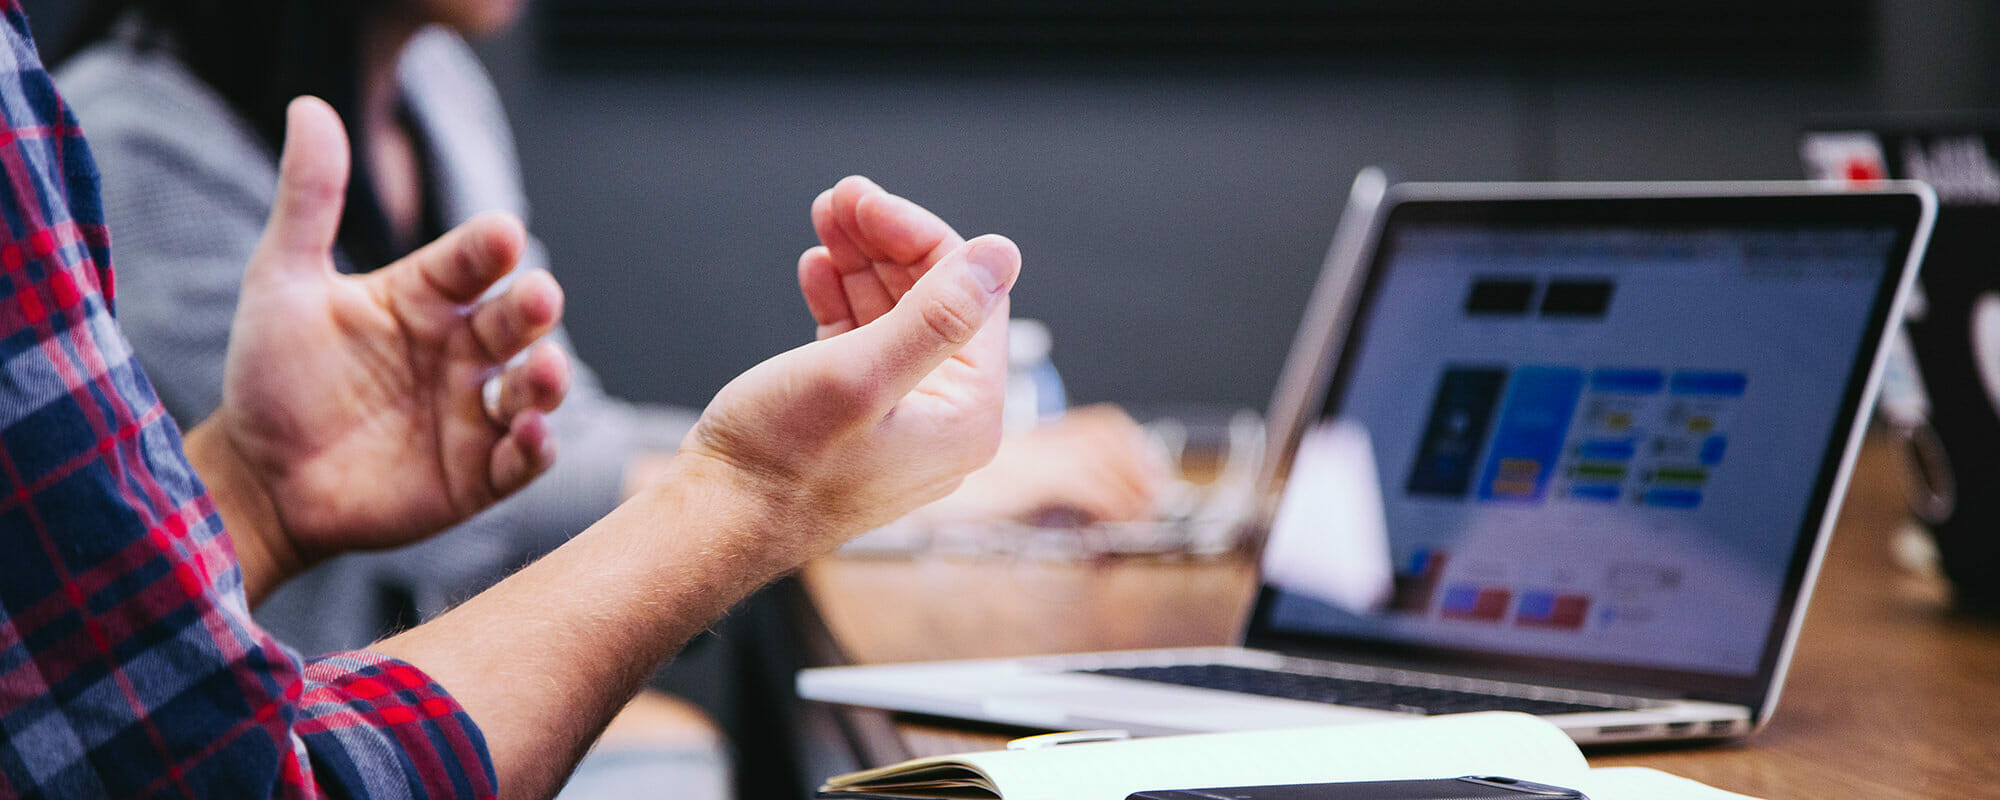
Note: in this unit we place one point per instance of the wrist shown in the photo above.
(249, 515)
(642, 469)
(759, 522)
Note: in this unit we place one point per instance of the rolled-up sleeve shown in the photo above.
(377, 728)
(129, 664)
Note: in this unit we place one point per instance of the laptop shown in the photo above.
(1604, 431)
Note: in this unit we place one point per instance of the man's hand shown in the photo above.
(1092, 464)
(874, 246)
(901, 396)
(1095, 464)
(352, 414)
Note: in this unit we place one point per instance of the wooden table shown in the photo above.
(1891, 694)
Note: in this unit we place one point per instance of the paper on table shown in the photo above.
(1490, 743)
(1329, 540)
(1515, 745)
(1641, 783)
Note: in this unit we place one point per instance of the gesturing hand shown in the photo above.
(875, 246)
(354, 401)
(901, 396)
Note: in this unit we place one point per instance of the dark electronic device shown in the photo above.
(1952, 444)
(1467, 788)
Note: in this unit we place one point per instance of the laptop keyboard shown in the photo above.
(1343, 691)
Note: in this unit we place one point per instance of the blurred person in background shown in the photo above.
(184, 103)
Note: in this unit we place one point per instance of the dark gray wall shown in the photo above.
(1171, 228)
(1173, 218)
(1172, 221)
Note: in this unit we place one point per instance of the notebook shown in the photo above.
(1566, 449)
(1512, 746)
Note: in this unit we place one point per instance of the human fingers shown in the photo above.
(842, 251)
(1099, 501)
(850, 256)
(1040, 491)
(1093, 461)
(869, 232)
(941, 315)
(819, 281)
(1127, 493)
(461, 265)
(1093, 480)
(909, 237)
(539, 382)
(844, 202)
(1141, 468)
(312, 188)
(525, 451)
(519, 316)
(1122, 446)
(867, 297)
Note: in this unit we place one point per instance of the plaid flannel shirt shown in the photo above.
(129, 664)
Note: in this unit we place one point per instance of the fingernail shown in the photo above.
(989, 266)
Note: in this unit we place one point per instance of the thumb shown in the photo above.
(937, 318)
(312, 188)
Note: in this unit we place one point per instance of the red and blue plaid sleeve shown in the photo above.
(129, 664)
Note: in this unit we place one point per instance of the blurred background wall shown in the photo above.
(1173, 195)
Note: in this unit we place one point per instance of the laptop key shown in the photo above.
(1342, 691)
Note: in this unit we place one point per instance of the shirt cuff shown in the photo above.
(376, 727)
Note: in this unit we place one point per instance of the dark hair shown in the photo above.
(258, 55)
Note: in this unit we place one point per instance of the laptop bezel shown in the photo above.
(1909, 207)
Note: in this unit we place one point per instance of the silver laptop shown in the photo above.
(1567, 449)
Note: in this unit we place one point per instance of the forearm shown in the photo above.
(247, 512)
(544, 659)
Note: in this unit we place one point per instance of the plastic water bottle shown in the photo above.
(1034, 388)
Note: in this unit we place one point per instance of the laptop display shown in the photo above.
(1604, 431)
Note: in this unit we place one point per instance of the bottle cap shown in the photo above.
(1028, 341)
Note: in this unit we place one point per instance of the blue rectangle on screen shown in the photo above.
(1606, 492)
(1528, 440)
(1627, 381)
(1711, 450)
(1674, 498)
(1535, 605)
(1463, 599)
(1607, 450)
(1713, 384)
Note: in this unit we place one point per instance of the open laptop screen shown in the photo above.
(1604, 431)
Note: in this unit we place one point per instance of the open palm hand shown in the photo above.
(356, 400)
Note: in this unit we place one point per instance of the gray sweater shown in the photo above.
(187, 186)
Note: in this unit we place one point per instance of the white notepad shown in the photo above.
(1495, 743)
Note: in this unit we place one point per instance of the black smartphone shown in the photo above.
(1471, 787)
